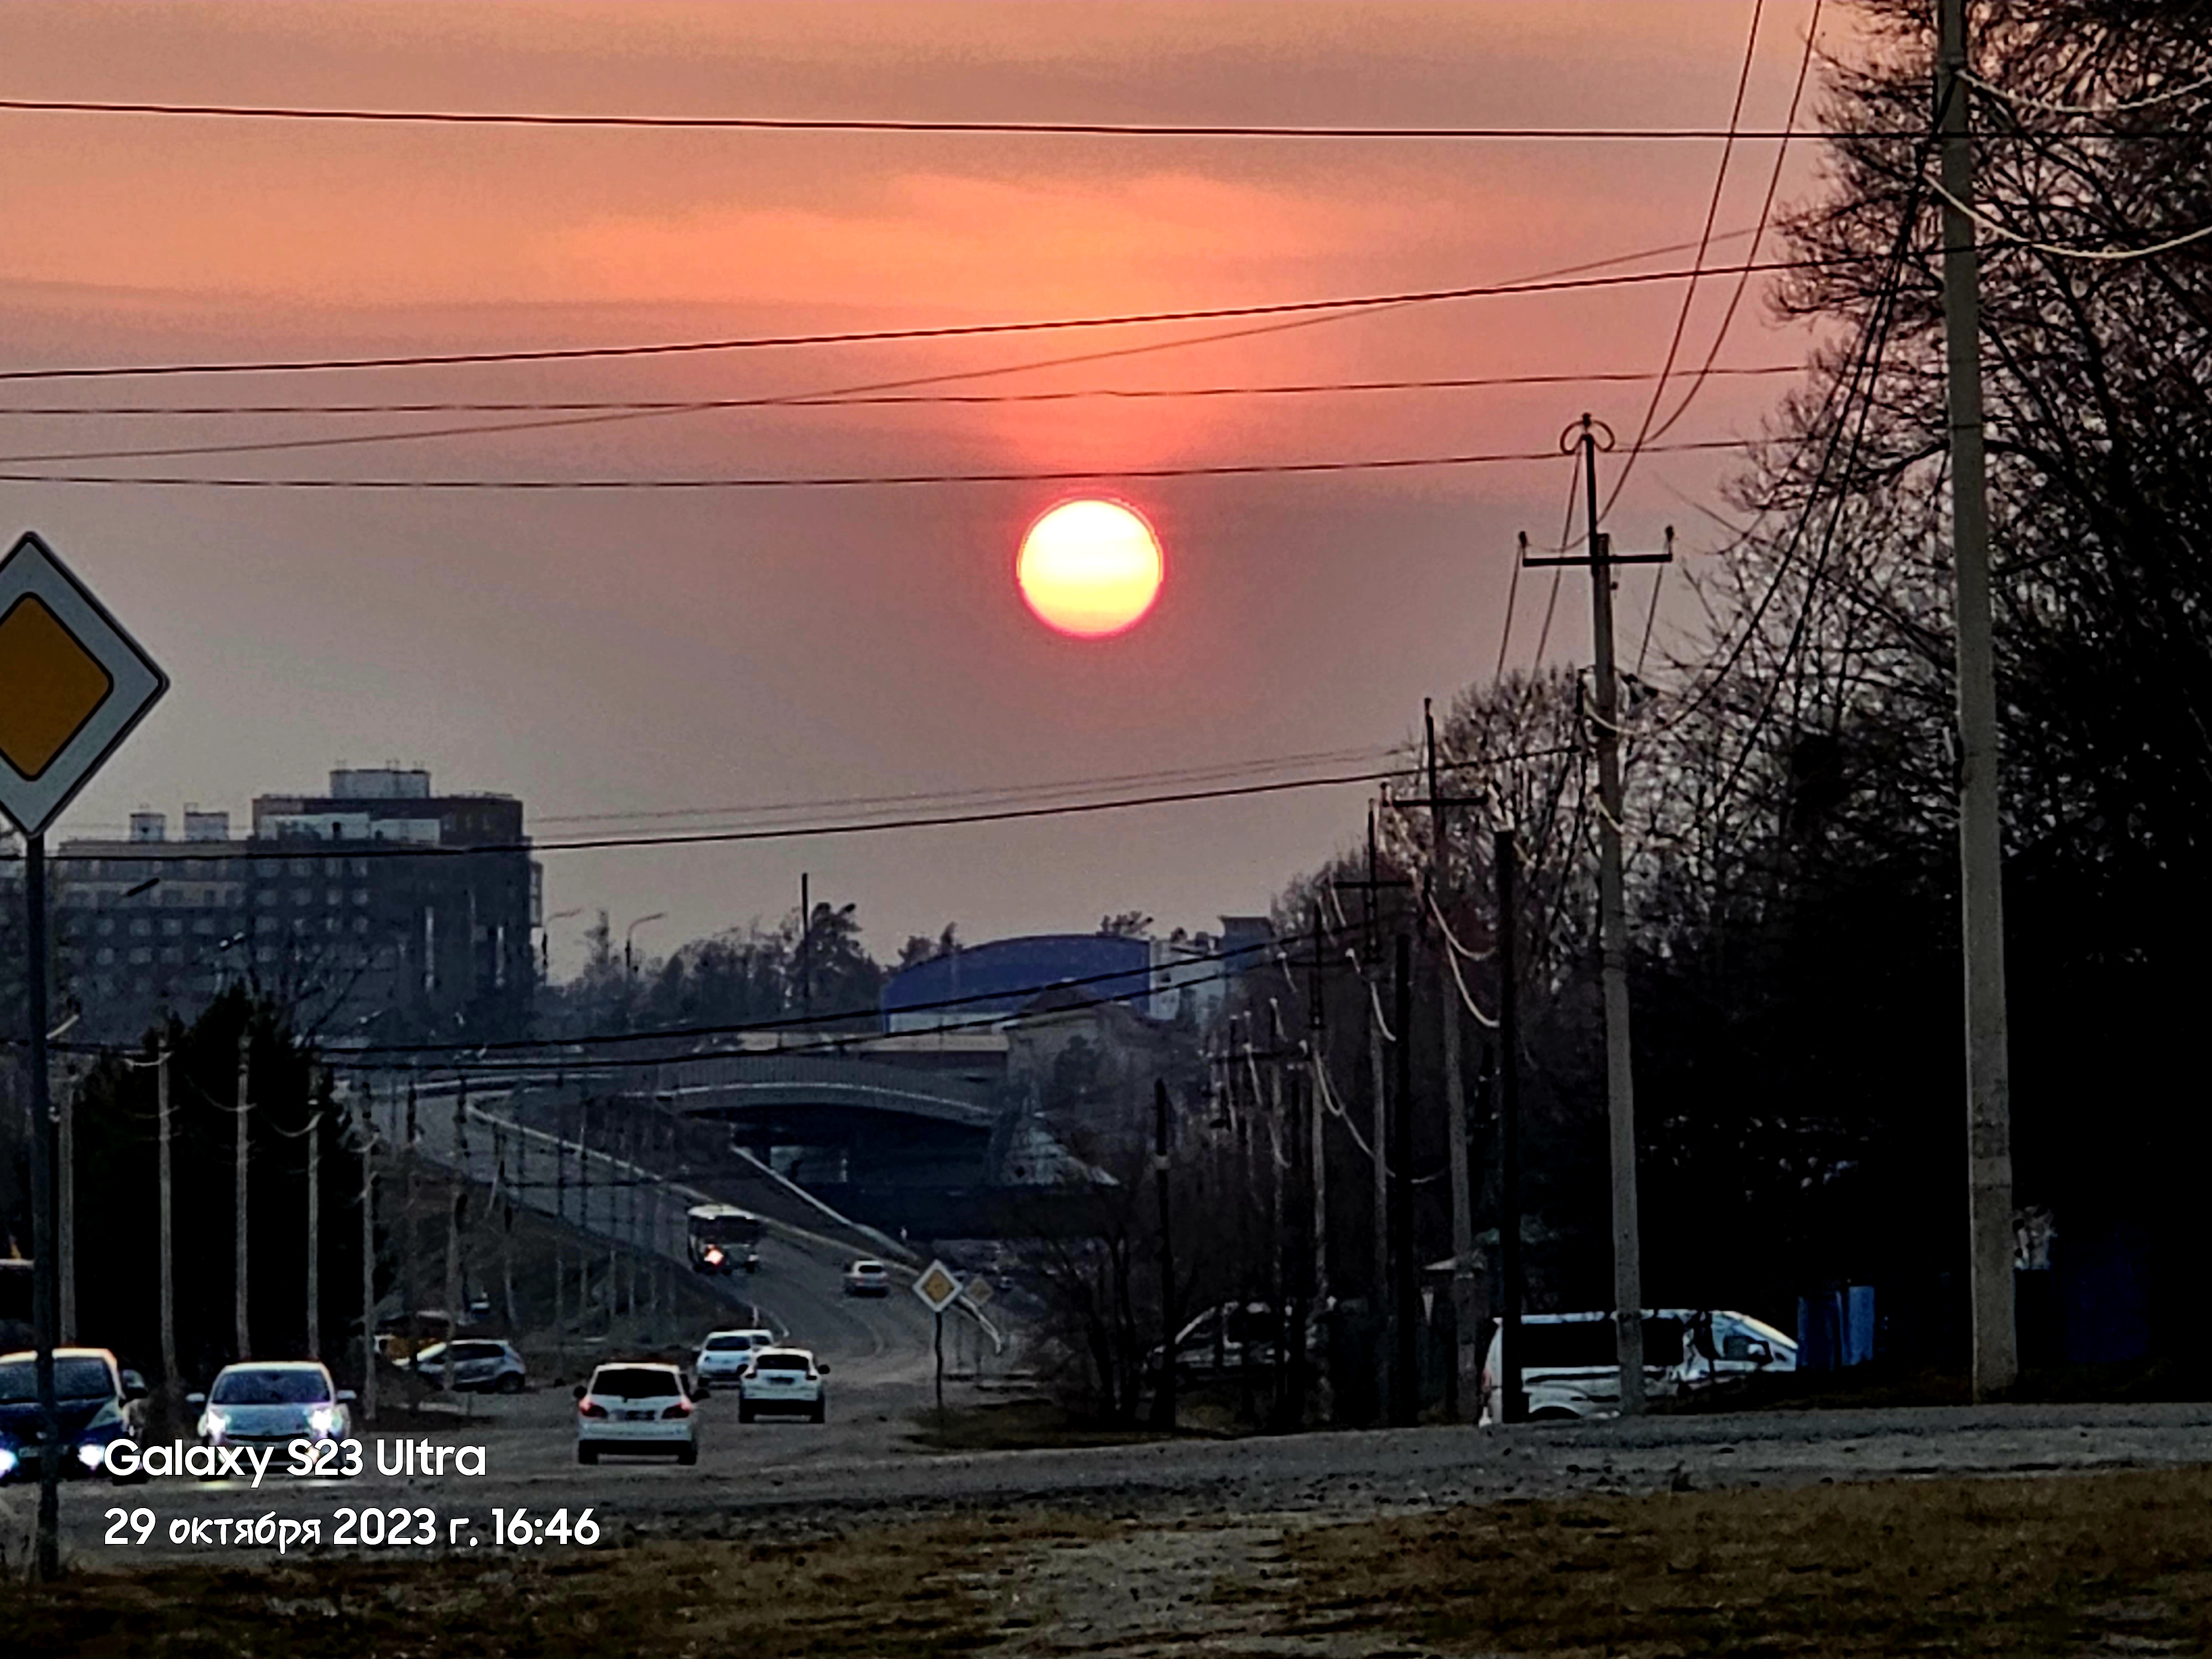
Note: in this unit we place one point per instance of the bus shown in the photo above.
(722, 1238)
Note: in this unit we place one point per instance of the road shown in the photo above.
(782, 1478)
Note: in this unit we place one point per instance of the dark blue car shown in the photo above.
(98, 1402)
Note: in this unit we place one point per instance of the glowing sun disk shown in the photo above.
(1090, 568)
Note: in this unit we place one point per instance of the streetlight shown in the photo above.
(629, 951)
(545, 940)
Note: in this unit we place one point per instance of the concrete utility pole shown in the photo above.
(1163, 1397)
(805, 943)
(459, 1197)
(1989, 1083)
(244, 1337)
(172, 1395)
(1507, 1408)
(1612, 923)
(315, 1236)
(44, 1291)
(1406, 1278)
(368, 1260)
(65, 1205)
(1317, 1116)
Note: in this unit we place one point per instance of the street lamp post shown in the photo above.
(630, 947)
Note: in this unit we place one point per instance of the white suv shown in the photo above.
(724, 1356)
(635, 1407)
(868, 1278)
(783, 1380)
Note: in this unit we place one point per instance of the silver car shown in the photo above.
(479, 1363)
(273, 1402)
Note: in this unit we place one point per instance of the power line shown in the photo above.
(862, 336)
(840, 400)
(853, 481)
(2064, 250)
(842, 124)
(1697, 269)
(307, 847)
(2125, 106)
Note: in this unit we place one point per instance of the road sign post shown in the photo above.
(936, 1288)
(72, 686)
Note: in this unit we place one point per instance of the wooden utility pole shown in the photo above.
(1318, 1116)
(1507, 1405)
(245, 1339)
(1613, 921)
(1989, 1083)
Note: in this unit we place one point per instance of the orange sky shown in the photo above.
(599, 653)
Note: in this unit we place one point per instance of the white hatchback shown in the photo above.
(636, 1407)
(724, 1356)
(783, 1380)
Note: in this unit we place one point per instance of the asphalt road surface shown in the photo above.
(779, 1478)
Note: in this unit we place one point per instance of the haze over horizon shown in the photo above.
(610, 655)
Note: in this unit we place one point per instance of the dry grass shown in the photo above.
(2061, 1566)
(902, 1591)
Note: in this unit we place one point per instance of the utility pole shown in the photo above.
(1317, 1116)
(1371, 950)
(560, 1223)
(805, 944)
(1163, 1397)
(458, 1197)
(367, 1258)
(45, 1289)
(314, 1236)
(408, 1243)
(1613, 921)
(172, 1396)
(244, 1335)
(1507, 1407)
(1406, 1370)
(1988, 1083)
(65, 1205)
(1462, 1199)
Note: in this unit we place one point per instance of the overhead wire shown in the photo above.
(2124, 106)
(849, 123)
(1346, 304)
(2063, 250)
(11, 474)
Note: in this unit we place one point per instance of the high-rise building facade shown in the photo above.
(377, 910)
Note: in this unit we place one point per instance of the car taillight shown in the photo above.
(590, 1408)
(681, 1408)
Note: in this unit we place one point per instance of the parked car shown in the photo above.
(1221, 1340)
(480, 1365)
(724, 1354)
(98, 1402)
(785, 1379)
(1568, 1368)
(273, 1402)
(868, 1278)
(635, 1407)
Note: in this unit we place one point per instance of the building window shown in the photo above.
(266, 953)
(105, 955)
(303, 866)
(336, 895)
(171, 927)
(141, 928)
(266, 924)
(205, 927)
(360, 923)
(268, 895)
(141, 956)
(106, 926)
(303, 896)
(361, 896)
(172, 955)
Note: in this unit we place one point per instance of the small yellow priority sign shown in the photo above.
(937, 1288)
(72, 684)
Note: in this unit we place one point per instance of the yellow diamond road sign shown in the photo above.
(72, 684)
(937, 1286)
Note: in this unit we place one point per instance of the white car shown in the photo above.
(1568, 1369)
(868, 1278)
(783, 1380)
(636, 1407)
(724, 1356)
(271, 1402)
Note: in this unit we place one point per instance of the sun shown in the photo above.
(1091, 568)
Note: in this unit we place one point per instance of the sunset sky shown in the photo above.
(611, 655)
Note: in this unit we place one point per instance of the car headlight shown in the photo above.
(90, 1454)
(322, 1420)
(7, 1461)
(215, 1425)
